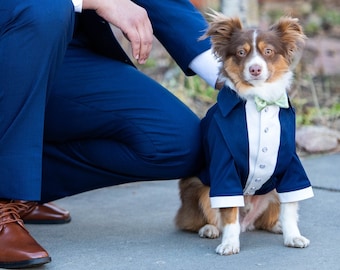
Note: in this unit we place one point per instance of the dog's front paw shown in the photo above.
(296, 241)
(209, 231)
(228, 248)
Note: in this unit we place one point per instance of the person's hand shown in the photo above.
(131, 19)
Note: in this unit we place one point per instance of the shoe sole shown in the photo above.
(37, 221)
(25, 264)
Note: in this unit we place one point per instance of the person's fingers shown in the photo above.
(133, 36)
(141, 44)
(133, 21)
(145, 42)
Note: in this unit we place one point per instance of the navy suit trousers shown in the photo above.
(72, 120)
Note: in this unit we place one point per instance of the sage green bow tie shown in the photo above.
(281, 102)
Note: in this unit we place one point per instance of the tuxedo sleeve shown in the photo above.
(177, 24)
(294, 184)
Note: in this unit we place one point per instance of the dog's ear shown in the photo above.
(221, 30)
(291, 34)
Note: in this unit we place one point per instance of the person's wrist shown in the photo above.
(90, 4)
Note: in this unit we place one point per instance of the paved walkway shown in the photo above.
(131, 227)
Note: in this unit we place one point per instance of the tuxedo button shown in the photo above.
(258, 180)
(264, 149)
(262, 166)
(266, 130)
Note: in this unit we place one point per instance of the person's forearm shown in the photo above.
(89, 4)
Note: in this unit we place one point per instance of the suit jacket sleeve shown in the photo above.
(294, 178)
(177, 24)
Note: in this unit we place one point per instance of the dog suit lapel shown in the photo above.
(233, 126)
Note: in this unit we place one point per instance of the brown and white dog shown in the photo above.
(254, 63)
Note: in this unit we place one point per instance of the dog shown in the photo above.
(253, 177)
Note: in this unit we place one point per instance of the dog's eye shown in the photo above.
(241, 53)
(268, 51)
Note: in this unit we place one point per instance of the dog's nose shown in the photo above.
(255, 70)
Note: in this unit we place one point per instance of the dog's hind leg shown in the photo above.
(290, 229)
(195, 213)
(189, 216)
(269, 219)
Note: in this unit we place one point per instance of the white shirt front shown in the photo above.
(264, 132)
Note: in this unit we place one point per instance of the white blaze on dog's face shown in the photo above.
(252, 61)
(253, 58)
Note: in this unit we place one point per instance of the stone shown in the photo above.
(317, 139)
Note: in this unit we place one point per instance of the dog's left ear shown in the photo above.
(291, 34)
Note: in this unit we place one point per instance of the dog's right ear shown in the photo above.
(221, 30)
(291, 34)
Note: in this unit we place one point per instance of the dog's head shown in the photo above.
(252, 58)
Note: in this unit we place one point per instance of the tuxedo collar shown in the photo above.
(227, 100)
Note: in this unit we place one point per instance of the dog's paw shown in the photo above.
(228, 248)
(296, 241)
(209, 231)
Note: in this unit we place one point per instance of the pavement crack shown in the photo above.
(327, 189)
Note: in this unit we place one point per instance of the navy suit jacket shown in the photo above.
(226, 145)
(177, 24)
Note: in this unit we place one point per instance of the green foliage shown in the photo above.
(196, 87)
(312, 28)
(275, 14)
(309, 114)
(331, 16)
(150, 63)
(334, 111)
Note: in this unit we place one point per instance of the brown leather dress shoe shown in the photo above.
(17, 246)
(47, 213)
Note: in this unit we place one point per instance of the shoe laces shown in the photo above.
(9, 213)
(24, 207)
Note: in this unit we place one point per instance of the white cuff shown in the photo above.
(207, 67)
(295, 196)
(78, 5)
(227, 201)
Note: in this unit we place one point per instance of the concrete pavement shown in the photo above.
(131, 227)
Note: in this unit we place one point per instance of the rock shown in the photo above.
(336, 124)
(325, 56)
(316, 139)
